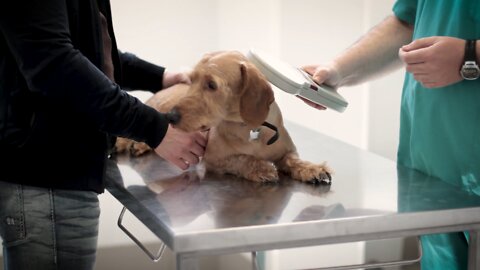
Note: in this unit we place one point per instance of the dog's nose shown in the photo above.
(174, 116)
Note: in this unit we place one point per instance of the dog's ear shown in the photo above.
(256, 95)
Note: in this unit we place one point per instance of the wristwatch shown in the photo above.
(470, 69)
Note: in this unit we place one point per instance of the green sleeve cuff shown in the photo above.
(405, 10)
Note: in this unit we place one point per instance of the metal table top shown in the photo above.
(370, 198)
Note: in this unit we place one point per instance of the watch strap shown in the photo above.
(470, 54)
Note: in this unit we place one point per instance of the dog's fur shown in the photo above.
(229, 96)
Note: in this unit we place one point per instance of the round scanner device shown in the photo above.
(296, 81)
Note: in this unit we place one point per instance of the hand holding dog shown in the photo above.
(172, 78)
(434, 61)
(181, 148)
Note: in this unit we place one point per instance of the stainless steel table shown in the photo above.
(196, 213)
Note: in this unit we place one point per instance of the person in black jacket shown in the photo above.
(62, 100)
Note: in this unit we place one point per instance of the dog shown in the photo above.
(232, 99)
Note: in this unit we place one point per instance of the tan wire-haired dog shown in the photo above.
(230, 97)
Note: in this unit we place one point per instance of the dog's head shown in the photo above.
(225, 86)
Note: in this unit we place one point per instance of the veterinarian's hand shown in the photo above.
(172, 78)
(434, 61)
(321, 75)
(182, 149)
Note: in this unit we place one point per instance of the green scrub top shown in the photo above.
(440, 128)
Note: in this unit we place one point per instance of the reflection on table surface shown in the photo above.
(364, 185)
(420, 192)
(198, 200)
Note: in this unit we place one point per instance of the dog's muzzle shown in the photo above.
(173, 116)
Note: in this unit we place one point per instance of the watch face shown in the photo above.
(470, 71)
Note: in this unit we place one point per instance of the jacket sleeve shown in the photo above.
(138, 74)
(38, 36)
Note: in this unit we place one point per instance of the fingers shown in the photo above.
(434, 61)
(312, 104)
(182, 149)
(419, 43)
(197, 150)
(310, 69)
(190, 159)
(194, 149)
(196, 146)
(183, 78)
(319, 74)
(172, 78)
(184, 160)
(180, 163)
(413, 57)
(420, 68)
(417, 51)
(201, 138)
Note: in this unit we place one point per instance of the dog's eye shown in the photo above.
(212, 85)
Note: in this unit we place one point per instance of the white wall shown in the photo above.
(177, 33)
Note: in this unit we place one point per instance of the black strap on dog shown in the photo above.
(274, 138)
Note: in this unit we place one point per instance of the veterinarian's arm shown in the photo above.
(375, 54)
(38, 36)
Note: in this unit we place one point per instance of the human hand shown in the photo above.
(321, 75)
(434, 61)
(181, 148)
(172, 78)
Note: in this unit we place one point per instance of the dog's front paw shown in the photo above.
(312, 173)
(122, 145)
(139, 148)
(303, 170)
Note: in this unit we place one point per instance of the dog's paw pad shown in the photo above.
(323, 178)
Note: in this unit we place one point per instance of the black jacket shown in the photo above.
(57, 108)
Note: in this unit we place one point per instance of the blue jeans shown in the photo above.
(48, 229)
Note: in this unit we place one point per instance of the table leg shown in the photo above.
(185, 262)
(254, 261)
(473, 249)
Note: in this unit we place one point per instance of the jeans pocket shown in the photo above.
(12, 215)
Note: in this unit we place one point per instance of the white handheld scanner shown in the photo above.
(296, 81)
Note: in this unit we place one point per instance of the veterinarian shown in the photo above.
(61, 100)
(435, 41)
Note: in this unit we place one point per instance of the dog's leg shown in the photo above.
(134, 148)
(302, 170)
(122, 145)
(139, 148)
(245, 166)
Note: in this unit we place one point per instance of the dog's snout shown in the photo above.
(174, 116)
